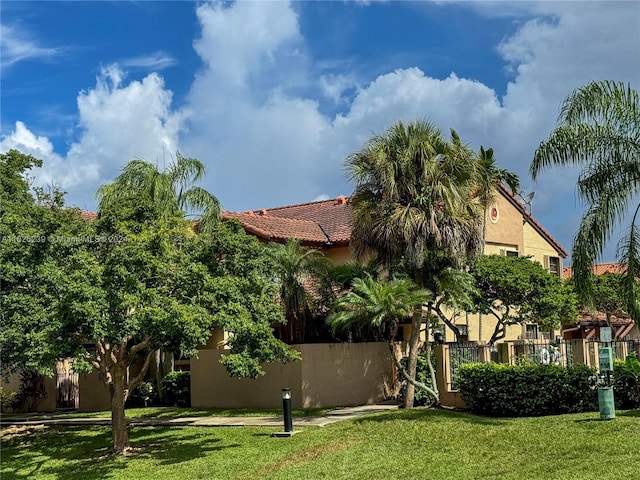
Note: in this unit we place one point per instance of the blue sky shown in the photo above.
(272, 96)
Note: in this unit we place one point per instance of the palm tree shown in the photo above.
(298, 269)
(383, 304)
(490, 177)
(171, 190)
(599, 130)
(414, 191)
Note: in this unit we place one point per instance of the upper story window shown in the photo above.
(553, 265)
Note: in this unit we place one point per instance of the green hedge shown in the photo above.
(626, 382)
(503, 390)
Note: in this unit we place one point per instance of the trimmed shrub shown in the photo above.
(176, 389)
(524, 390)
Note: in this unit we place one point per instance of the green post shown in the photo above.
(606, 403)
(605, 394)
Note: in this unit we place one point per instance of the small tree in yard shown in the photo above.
(514, 290)
(139, 279)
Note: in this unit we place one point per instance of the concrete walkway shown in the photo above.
(316, 421)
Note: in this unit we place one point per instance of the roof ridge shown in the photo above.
(254, 216)
(335, 199)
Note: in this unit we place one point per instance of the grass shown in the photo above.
(177, 412)
(414, 444)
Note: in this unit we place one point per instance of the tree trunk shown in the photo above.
(414, 348)
(118, 419)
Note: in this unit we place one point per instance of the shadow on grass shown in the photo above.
(630, 413)
(428, 414)
(72, 452)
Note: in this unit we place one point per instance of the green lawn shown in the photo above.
(419, 444)
(176, 412)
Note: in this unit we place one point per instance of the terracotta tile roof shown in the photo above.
(322, 223)
(333, 218)
(598, 269)
(532, 221)
(85, 215)
(279, 229)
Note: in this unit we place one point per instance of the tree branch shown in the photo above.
(143, 370)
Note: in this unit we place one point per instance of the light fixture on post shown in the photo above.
(286, 410)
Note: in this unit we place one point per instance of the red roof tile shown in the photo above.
(84, 215)
(598, 269)
(333, 218)
(280, 229)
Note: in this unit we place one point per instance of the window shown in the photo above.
(531, 331)
(511, 253)
(464, 330)
(553, 265)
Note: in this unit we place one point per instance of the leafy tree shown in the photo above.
(607, 295)
(386, 304)
(172, 189)
(599, 130)
(297, 270)
(140, 280)
(414, 191)
(514, 290)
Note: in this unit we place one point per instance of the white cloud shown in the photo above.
(118, 122)
(155, 61)
(267, 144)
(16, 45)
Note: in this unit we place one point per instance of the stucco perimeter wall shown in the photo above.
(93, 393)
(328, 375)
(211, 385)
(338, 374)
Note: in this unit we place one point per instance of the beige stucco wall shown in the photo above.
(336, 374)
(47, 404)
(507, 231)
(94, 393)
(536, 246)
(339, 255)
(211, 385)
(328, 375)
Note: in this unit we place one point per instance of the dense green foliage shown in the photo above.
(523, 390)
(626, 382)
(298, 271)
(599, 131)
(109, 293)
(176, 389)
(406, 444)
(607, 294)
(515, 290)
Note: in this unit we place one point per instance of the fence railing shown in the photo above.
(459, 354)
(541, 351)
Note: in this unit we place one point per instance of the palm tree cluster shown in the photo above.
(417, 192)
